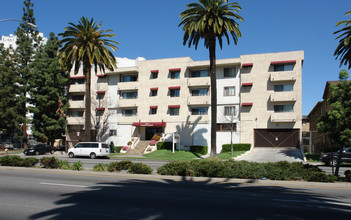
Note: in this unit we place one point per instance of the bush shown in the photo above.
(64, 164)
(11, 160)
(176, 168)
(118, 166)
(49, 162)
(100, 167)
(118, 149)
(236, 147)
(77, 166)
(112, 147)
(140, 168)
(199, 149)
(348, 175)
(164, 145)
(29, 162)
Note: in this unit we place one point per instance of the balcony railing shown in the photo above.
(199, 100)
(77, 88)
(76, 104)
(283, 97)
(199, 81)
(127, 103)
(128, 85)
(75, 120)
(283, 117)
(283, 76)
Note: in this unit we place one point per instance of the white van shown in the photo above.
(89, 149)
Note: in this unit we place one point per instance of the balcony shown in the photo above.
(199, 81)
(76, 88)
(283, 76)
(283, 97)
(76, 104)
(283, 117)
(124, 103)
(199, 100)
(134, 85)
(75, 120)
(202, 118)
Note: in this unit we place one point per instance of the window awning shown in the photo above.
(246, 104)
(154, 89)
(149, 124)
(174, 70)
(77, 77)
(174, 106)
(247, 84)
(153, 106)
(100, 92)
(100, 109)
(174, 87)
(283, 62)
(247, 64)
(101, 75)
(154, 71)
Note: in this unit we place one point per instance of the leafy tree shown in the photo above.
(211, 20)
(343, 50)
(27, 42)
(9, 108)
(337, 121)
(47, 92)
(87, 45)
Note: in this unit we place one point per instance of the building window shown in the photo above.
(229, 72)
(77, 113)
(199, 111)
(129, 95)
(130, 78)
(284, 108)
(226, 127)
(229, 91)
(283, 67)
(173, 111)
(283, 88)
(199, 73)
(199, 92)
(153, 93)
(229, 110)
(174, 92)
(129, 112)
(113, 133)
(153, 111)
(154, 75)
(175, 75)
(77, 81)
(77, 97)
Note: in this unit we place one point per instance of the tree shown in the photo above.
(47, 92)
(87, 45)
(337, 121)
(211, 20)
(343, 50)
(27, 42)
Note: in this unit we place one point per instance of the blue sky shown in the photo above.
(150, 29)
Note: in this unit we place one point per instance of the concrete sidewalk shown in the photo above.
(271, 154)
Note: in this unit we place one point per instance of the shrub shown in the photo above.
(77, 166)
(49, 162)
(348, 175)
(29, 162)
(164, 145)
(112, 147)
(11, 160)
(64, 164)
(118, 166)
(236, 147)
(118, 149)
(140, 168)
(176, 168)
(100, 167)
(199, 149)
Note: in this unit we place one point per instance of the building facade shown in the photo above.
(256, 94)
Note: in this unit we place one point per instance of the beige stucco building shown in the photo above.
(143, 97)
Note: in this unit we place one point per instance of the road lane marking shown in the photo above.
(59, 184)
(313, 202)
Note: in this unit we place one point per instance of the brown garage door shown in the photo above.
(276, 137)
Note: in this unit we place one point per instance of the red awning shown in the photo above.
(100, 109)
(246, 104)
(154, 71)
(153, 106)
(154, 89)
(101, 75)
(77, 77)
(247, 64)
(283, 62)
(100, 92)
(174, 70)
(149, 124)
(174, 106)
(174, 87)
(247, 84)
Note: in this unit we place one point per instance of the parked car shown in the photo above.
(39, 149)
(9, 146)
(331, 158)
(89, 149)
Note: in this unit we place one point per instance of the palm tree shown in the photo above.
(85, 44)
(344, 48)
(211, 20)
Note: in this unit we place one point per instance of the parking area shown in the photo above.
(272, 154)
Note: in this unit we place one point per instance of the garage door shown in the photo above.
(277, 137)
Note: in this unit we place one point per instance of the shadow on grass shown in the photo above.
(140, 198)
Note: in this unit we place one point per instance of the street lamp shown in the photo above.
(28, 23)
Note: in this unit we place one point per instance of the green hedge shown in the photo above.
(118, 149)
(199, 149)
(236, 147)
(17, 161)
(164, 145)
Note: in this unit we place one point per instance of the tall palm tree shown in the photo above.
(211, 20)
(343, 50)
(87, 45)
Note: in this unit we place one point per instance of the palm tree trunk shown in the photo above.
(87, 123)
(212, 50)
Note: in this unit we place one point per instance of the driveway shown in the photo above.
(272, 154)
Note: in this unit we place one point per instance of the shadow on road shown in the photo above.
(168, 199)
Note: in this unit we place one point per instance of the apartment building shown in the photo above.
(143, 97)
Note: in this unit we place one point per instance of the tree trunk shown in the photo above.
(24, 126)
(212, 50)
(338, 161)
(87, 123)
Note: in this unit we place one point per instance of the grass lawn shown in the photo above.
(11, 152)
(228, 155)
(168, 155)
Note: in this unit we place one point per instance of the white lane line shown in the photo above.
(313, 202)
(58, 184)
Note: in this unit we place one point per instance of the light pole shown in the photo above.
(28, 23)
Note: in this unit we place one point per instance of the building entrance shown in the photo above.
(150, 131)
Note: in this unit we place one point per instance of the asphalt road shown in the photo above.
(54, 194)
